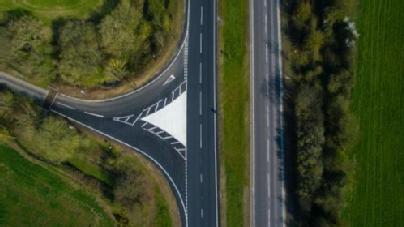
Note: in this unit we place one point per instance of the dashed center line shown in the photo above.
(201, 177)
(200, 103)
(200, 72)
(200, 136)
(200, 43)
(201, 15)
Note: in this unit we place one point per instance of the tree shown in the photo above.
(130, 184)
(117, 29)
(80, 54)
(31, 49)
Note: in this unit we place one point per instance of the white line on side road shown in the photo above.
(65, 105)
(267, 152)
(94, 114)
(269, 217)
(201, 177)
(268, 188)
(201, 213)
(268, 118)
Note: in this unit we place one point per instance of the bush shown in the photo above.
(30, 49)
(80, 54)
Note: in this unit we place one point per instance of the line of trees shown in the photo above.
(100, 50)
(319, 52)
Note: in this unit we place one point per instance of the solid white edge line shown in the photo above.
(252, 123)
(278, 14)
(186, 83)
(134, 148)
(215, 106)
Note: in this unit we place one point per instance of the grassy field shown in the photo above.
(234, 96)
(377, 198)
(31, 195)
(51, 9)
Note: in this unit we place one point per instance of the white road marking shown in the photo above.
(269, 217)
(94, 114)
(267, 118)
(268, 188)
(200, 72)
(65, 105)
(200, 136)
(200, 103)
(201, 213)
(169, 79)
(201, 15)
(201, 177)
(171, 118)
(267, 152)
(200, 43)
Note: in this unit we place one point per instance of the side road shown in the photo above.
(267, 139)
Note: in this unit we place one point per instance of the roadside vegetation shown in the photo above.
(97, 46)
(319, 47)
(128, 189)
(378, 104)
(32, 195)
(234, 109)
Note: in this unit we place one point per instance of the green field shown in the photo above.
(51, 9)
(378, 103)
(234, 96)
(31, 195)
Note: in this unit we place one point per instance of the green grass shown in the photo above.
(378, 103)
(234, 96)
(52, 9)
(163, 218)
(31, 195)
(91, 169)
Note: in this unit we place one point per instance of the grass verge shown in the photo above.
(378, 104)
(49, 10)
(234, 112)
(33, 196)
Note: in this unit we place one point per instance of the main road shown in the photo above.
(171, 121)
(267, 154)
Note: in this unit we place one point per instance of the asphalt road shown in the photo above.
(268, 192)
(190, 170)
(202, 155)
